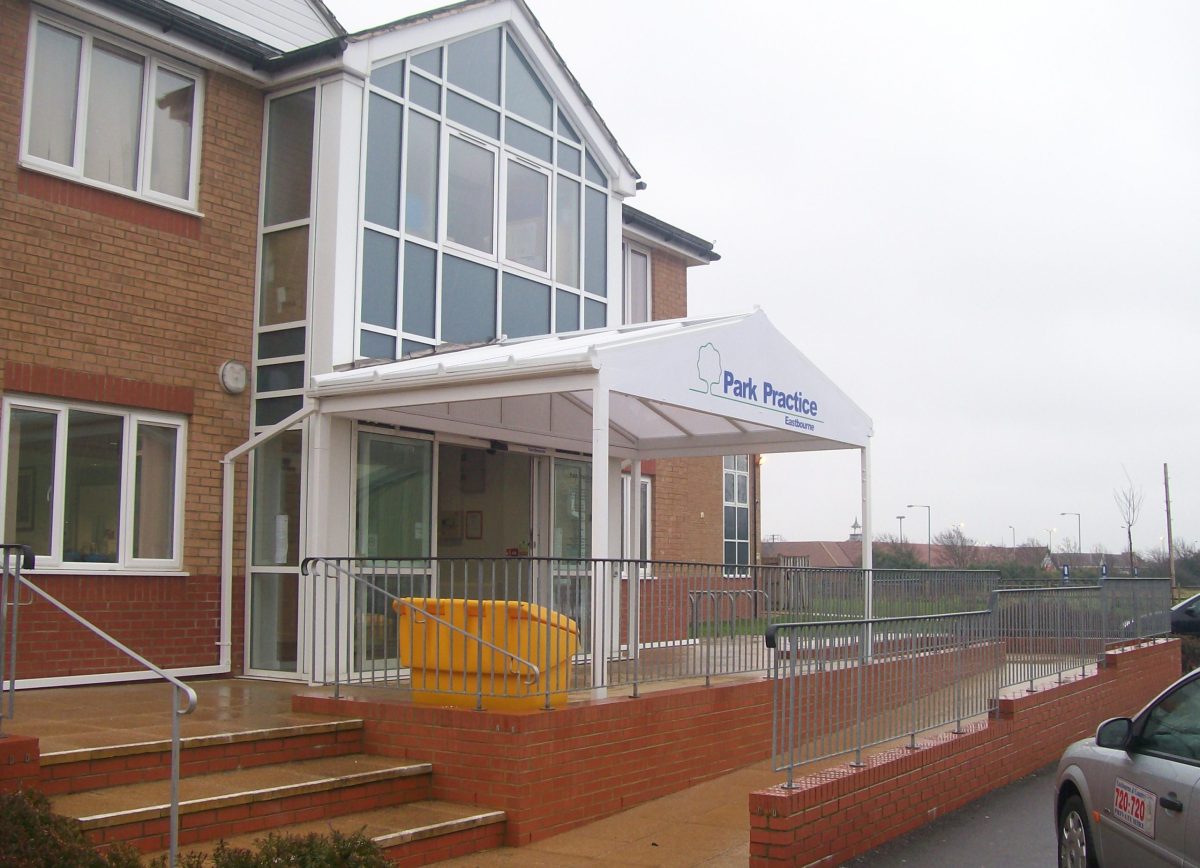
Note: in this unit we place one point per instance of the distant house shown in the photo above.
(1090, 563)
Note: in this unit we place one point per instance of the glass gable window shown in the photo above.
(91, 485)
(485, 212)
(736, 498)
(111, 114)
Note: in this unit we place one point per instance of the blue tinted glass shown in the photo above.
(526, 309)
(468, 301)
(593, 172)
(566, 311)
(569, 158)
(380, 255)
(420, 276)
(408, 348)
(389, 78)
(420, 197)
(383, 162)
(268, 411)
(275, 378)
(595, 242)
(565, 129)
(430, 61)
(425, 93)
(289, 342)
(595, 314)
(377, 346)
(472, 114)
(528, 140)
(523, 92)
(474, 65)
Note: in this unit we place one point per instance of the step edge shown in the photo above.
(245, 797)
(194, 742)
(443, 827)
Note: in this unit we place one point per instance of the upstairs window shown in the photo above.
(637, 284)
(108, 113)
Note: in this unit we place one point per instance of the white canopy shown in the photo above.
(705, 386)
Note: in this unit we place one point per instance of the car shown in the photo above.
(1185, 616)
(1130, 796)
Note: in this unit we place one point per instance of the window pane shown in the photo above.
(731, 553)
(289, 158)
(390, 77)
(55, 95)
(743, 523)
(425, 93)
(376, 346)
(569, 158)
(528, 139)
(566, 232)
(474, 65)
(595, 256)
(394, 497)
(523, 92)
(730, 487)
(595, 314)
(526, 307)
(565, 129)
(171, 159)
(29, 506)
(420, 286)
(743, 462)
(275, 378)
(420, 200)
(268, 411)
(526, 216)
(277, 501)
(472, 114)
(638, 294)
(408, 348)
(566, 311)
(380, 268)
(430, 61)
(470, 197)
(743, 553)
(92, 495)
(288, 342)
(742, 482)
(383, 162)
(572, 509)
(114, 121)
(274, 607)
(284, 276)
(730, 524)
(468, 301)
(593, 172)
(154, 492)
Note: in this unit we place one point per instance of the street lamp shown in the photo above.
(1050, 531)
(1014, 533)
(1078, 531)
(928, 531)
(901, 529)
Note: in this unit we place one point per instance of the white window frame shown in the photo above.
(628, 248)
(152, 62)
(541, 275)
(627, 551)
(131, 418)
(735, 570)
(492, 257)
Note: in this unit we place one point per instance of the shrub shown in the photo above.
(33, 836)
(334, 850)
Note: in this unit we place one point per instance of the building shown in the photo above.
(276, 291)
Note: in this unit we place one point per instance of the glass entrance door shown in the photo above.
(571, 543)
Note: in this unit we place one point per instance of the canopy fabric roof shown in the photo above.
(704, 386)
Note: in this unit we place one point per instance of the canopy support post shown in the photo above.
(601, 632)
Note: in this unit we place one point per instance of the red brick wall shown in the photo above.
(830, 817)
(20, 763)
(142, 302)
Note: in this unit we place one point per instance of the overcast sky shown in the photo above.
(982, 221)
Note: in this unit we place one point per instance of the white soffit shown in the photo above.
(706, 386)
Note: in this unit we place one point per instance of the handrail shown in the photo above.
(177, 686)
(338, 569)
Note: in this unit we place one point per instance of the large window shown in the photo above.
(485, 213)
(109, 113)
(93, 485)
(737, 512)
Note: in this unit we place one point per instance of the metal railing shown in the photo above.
(13, 559)
(844, 686)
(636, 622)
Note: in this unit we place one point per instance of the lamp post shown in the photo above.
(1014, 533)
(928, 531)
(901, 529)
(1050, 531)
(1078, 531)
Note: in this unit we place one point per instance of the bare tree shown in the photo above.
(959, 548)
(1129, 505)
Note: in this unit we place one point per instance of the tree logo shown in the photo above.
(709, 369)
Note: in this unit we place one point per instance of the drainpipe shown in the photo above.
(228, 474)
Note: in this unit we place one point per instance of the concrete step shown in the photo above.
(245, 801)
(417, 833)
(80, 769)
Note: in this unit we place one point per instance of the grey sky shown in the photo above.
(981, 220)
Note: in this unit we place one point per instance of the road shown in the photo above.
(1010, 828)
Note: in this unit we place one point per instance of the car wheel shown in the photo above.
(1075, 836)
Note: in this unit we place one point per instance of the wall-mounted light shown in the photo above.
(233, 377)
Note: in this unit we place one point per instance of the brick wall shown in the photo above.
(144, 301)
(830, 817)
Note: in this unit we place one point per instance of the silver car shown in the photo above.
(1131, 795)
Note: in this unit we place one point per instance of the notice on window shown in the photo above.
(1134, 806)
